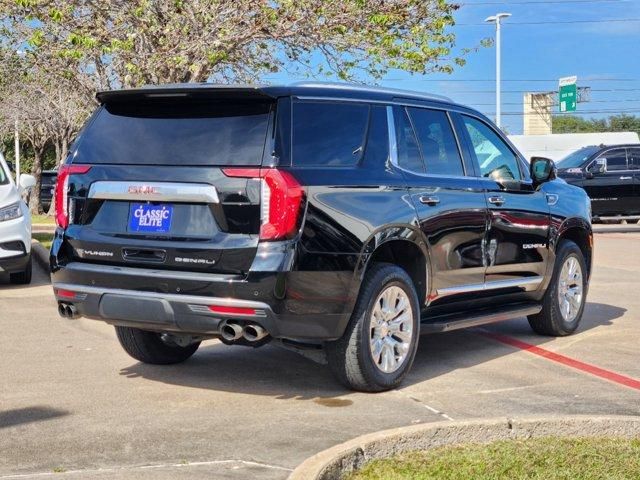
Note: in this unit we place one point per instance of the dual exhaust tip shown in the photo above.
(252, 332)
(67, 310)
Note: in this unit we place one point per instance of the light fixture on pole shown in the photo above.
(497, 19)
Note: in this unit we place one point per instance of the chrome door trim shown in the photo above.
(494, 285)
(154, 192)
(393, 140)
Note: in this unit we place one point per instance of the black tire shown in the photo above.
(550, 320)
(24, 277)
(148, 347)
(349, 357)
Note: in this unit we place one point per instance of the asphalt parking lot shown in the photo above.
(74, 405)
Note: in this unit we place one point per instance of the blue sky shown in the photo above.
(598, 53)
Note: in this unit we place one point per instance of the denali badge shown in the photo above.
(200, 261)
(528, 246)
(143, 189)
(94, 253)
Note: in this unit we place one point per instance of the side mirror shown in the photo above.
(27, 181)
(542, 170)
(599, 167)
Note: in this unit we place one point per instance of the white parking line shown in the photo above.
(143, 467)
(428, 407)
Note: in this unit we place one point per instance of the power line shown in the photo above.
(630, 100)
(583, 112)
(586, 80)
(460, 92)
(564, 22)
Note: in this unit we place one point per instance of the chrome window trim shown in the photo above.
(165, 192)
(393, 140)
(494, 285)
(393, 149)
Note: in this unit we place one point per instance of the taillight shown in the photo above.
(281, 199)
(61, 190)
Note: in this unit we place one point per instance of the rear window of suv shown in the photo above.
(176, 133)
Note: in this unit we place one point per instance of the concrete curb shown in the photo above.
(40, 254)
(333, 463)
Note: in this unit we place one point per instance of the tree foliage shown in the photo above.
(112, 43)
(71, 48)
(615, 123)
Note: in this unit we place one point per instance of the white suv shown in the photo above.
(15, 227)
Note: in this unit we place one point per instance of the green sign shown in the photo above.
(568, 94)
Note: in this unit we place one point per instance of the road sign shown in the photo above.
(568, 94)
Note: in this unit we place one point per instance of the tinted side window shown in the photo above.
(328, 134)
(408, 151)
(616, 159)
(437, 142)
(634, 158)
(495, 158)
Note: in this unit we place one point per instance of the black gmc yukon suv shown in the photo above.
(338, 221)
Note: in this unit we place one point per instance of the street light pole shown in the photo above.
(496, 19)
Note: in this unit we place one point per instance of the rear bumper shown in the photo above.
(179, 301)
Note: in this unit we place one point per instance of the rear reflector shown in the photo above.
(65, 293)
(281, 200)
(61, 191)
(225, 310)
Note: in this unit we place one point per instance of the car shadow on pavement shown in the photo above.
(272, 371)
(20, 416)
(268, 370)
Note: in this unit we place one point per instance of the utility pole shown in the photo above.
(17, 152)
(496, 19)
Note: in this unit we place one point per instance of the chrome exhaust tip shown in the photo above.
(254, 332)
(231, 332)
(62, 310)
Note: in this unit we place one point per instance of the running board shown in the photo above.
(484, 317)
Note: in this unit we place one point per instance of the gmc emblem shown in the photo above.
(143, 189)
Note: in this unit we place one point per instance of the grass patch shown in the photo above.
(540, 459)
(44, 238)
(42, 220)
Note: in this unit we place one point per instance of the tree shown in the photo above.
(122, 43)
(615, 123)
(49, 114)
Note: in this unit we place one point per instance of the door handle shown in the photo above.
(429, 200)
(626, 178)
(496, 199)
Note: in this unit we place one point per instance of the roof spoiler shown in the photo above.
(196, 90)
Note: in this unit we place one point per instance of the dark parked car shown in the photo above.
(610, 174)
(46, 188)
(338, 221)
